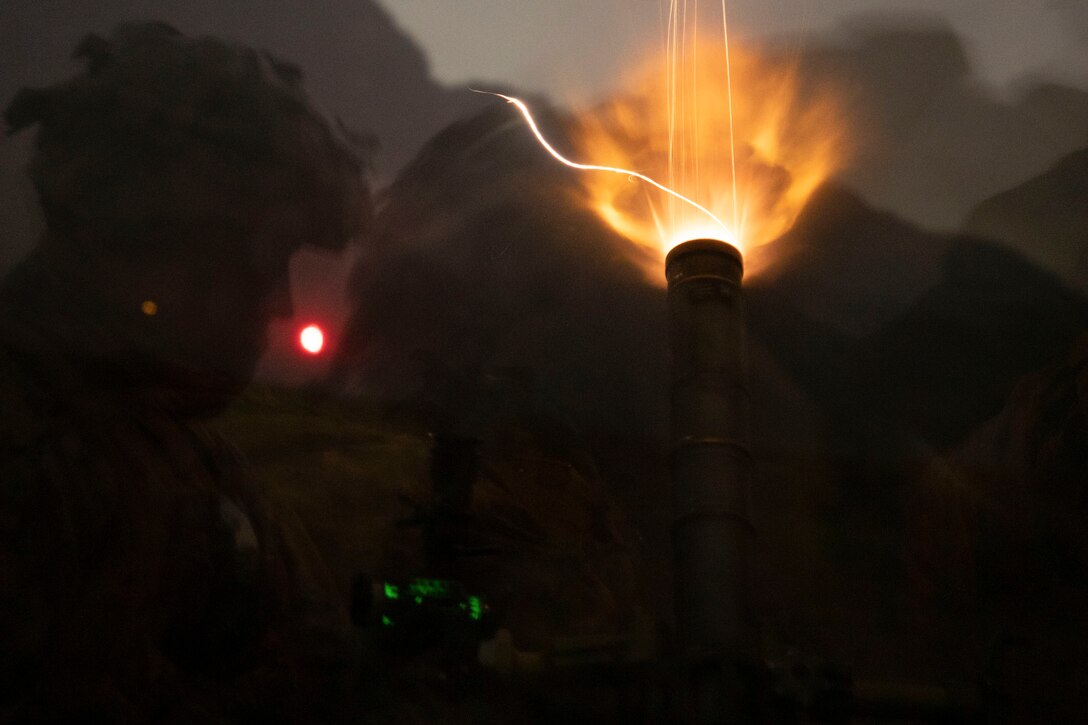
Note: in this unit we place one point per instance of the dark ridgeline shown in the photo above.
(482, 263)
(932, 139)
(1045, 219)
(145, 577)
(812, 265)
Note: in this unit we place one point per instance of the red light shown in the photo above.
(312, 339)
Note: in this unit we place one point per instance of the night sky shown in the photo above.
(558, 45)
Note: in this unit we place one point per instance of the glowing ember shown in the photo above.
(312, 339)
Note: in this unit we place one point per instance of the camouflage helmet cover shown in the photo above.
(162, 129)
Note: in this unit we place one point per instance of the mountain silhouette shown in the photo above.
(1045, 219)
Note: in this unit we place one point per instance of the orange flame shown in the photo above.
(674, 125)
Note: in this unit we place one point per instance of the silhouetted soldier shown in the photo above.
(142, 576)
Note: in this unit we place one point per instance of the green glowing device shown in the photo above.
(422, 603)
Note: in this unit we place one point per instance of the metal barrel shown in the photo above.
(711, 464)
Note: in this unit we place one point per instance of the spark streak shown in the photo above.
(729, 90)
(524, 109)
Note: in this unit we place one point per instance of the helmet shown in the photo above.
(163, 129)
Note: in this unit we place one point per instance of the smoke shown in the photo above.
(932, 140)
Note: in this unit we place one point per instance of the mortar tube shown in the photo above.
(711, 472)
